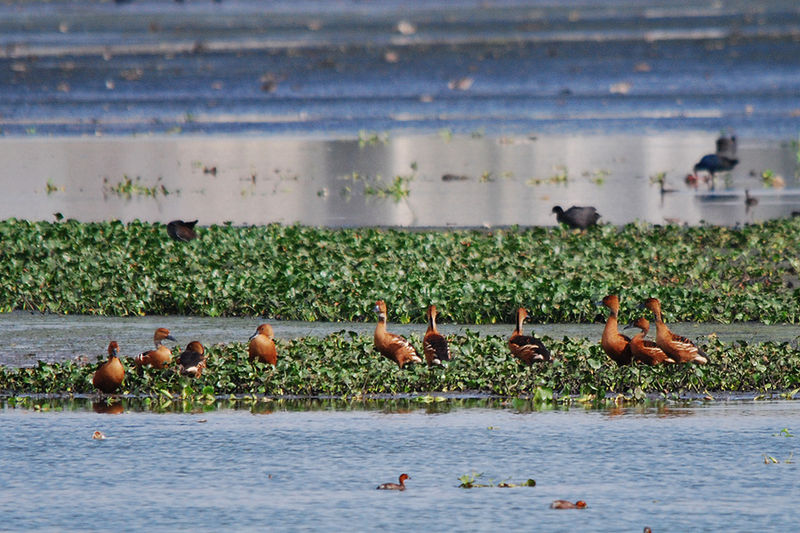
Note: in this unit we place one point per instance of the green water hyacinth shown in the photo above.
(344, 364)
(474, 277)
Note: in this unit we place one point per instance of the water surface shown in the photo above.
(675, 468)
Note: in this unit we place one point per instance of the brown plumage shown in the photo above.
(392, 346)
(615, 344)
(179, 230)
(566, 504)
(434, 345)
(646, 351)
(262, 345)
(679, 348)
(395, 486)
(526, 348)
(161, 356)
(192, 360)
(108, 376)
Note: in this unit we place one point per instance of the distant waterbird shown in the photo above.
(179, 230)
(109, 375)
(395, 486)
(577, 217)
(526, 348)
(390, 345)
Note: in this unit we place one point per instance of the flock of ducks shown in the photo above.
(667, 348)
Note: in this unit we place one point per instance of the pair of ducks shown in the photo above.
(668, 348)
(191, 362)
(396, 348)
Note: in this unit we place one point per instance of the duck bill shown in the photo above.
(170, 337)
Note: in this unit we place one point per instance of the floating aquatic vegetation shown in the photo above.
(474, 276)
(372, 138)
(345, 364)
(475, 480)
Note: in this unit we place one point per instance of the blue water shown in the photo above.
(696, 468)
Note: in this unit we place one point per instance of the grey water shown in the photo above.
(26, 338)
(672, 468)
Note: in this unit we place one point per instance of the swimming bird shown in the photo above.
(161, 356)
(179, 230)
(577, 217)
(526, 348)
(392, 346)
(262, 345)
(615, 344)
(434, 345)
(566, 504)
(192, 360)
(644, 350)
(679, 348)
(395, 486)
(108, 376)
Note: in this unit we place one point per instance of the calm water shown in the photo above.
(501, 180)
(693, 468)
(26, 338)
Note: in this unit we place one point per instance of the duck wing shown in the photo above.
(436, 348)
(528, 348)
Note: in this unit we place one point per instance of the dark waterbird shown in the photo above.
(179, 230)
(713, 163)
(726, 146)
(577, 217)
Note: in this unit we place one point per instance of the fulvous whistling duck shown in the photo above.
(566, 504)
(192, 360)
(577, 217)
(392, 346)
(108, 376)
(161, 356)
(179, 230)
(526, 348)
(434, 345)
(680, 349)
(645, 350)
(262, 345)
(395, 486)
(615, 344)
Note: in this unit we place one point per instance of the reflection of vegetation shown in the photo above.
(372, 138)
(561, 176)
(52, 187)
(398, 189)
(770, 179)
(128, 188)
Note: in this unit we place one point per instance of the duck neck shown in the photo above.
(520, 319)
(380, 327)
(432, 323)
(612, 325)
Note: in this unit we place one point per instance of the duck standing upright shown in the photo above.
(262, 345)
(643, 350)
(615, 344)
(679, 348)
(526, 348)
(108, 376)
(434, 345)
(192, 360)
(161, 356)
(390, 345)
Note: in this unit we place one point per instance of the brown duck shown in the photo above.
(434, 345)
(262, 345)
(615, 344)
(526, 348)
(678, 348)
(390, 345)
(643, 350)
(161, 356)
(108, 376)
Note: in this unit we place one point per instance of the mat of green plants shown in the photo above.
(305, 273)
(345, 364)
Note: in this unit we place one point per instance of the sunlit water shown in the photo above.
(673, 469)
(26, 338)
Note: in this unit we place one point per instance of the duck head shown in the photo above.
(113, 349)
